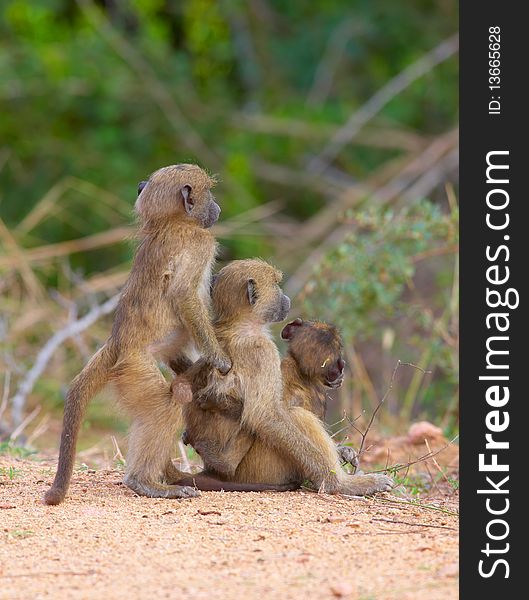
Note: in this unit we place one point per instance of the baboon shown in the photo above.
(163, 312)
(246, 298)
(313, 363)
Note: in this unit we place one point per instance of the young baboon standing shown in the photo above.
(247, 297)
(163, 311)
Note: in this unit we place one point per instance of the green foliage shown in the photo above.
(82, 95)
(363, 278)
(10, 472)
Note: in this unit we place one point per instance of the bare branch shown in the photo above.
(423, 458)
(375, 104)
(43, 357)
(386, 194)
(24, 423)
(332, 55)
(5, 393)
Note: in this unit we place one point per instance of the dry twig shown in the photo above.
(25, 387)
(375, 104)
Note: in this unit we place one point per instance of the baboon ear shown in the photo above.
(141, 185)
(252, 291)
(186, 196)
(290, 329)
(212, 282)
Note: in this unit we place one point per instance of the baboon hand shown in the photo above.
(348, 455)
(366, 484)
(222, 363)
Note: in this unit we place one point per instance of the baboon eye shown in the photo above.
(252, 291)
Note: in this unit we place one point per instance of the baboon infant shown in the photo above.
(313, 363)
(290, 443)
(163, 312)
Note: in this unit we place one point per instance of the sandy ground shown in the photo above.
(105, 542)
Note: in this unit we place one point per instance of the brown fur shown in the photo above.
(312, 365)
(303, 449)
(163, 312)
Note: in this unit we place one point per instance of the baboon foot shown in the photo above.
(159, 490)
(366, 484)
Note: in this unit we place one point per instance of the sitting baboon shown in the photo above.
(313, 363)
(246, 299)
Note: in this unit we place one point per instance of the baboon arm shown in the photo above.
(196, 317)
(229, 405)
(189, 297)
(224, 459)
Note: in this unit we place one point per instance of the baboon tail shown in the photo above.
(89, 381)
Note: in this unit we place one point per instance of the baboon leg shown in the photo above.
(299, 435)
(156, 418)
(172, 474)
(224, 459)
(336, 480)
(263, 463)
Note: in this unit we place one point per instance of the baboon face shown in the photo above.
(178, 189)
(317, 349)
(251, 287)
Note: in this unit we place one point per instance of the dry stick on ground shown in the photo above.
(375, 104)
(413, 524)
(415, 503)
(46, 352)
(423, 458)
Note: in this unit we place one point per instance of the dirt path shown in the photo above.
(105, 542)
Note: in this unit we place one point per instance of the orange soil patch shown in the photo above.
(105, 542)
